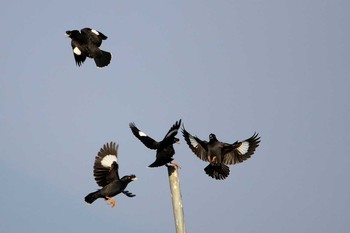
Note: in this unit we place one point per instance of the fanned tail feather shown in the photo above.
(217, 171)
(104, 59)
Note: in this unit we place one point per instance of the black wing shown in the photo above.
(146, 140)
(240, 151)
(169, 137)
(129, 194)
(106, 165)
(78, 51)
(199, 147)
(95, 37)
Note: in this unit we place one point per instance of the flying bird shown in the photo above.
(220, 154)
(86, 43)
(165, 150)
(107, 176)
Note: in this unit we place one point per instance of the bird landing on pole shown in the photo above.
(176, 199)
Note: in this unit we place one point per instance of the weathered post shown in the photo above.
(176, 199)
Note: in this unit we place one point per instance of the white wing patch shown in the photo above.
(77, 51)
(142, 134)
(108, 160)
(193, 141)
(174, 131)
(94, 31)
(243, 148)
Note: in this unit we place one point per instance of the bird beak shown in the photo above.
(133, 179)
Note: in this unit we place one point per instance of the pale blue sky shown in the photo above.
(280, 68)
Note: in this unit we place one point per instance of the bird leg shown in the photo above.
(111, 201)
(174, 164)
(212, 160)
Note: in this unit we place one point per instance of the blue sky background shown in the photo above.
(280, 68)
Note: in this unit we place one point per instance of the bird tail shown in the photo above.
(91, 197)
(217, 171)
(155, 164)
(160, 162)
(103, 60)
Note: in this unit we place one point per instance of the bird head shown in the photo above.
(129, 178)
(176, 140)
(212, 137)
(72, 34)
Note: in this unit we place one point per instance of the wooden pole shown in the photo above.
(176, 199)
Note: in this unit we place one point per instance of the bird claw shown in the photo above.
(212, 160)
(174, 164)
(111, 201)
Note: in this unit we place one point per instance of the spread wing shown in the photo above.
(240, 151)
(106, 164)
(95, 37)
(146, 140)
(79, 55)
(129, 194)
(169, 137)
(198, 147)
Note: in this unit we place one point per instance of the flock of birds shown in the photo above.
(86, 43)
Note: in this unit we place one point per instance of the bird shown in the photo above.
(107, 176)
(220, 154)
(86, 43)
(165, 150)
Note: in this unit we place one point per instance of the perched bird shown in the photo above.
(220, 154)
(86, 43)
(165, 149)
(106, 176)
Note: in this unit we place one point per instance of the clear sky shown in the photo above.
(279, 68)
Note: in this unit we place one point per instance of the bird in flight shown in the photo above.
(86, 43)
(107, 176)
(164, 149)
(220, 154)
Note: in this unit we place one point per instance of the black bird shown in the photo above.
(86, 43)
(220, 154)
(165, 149)
(106, 176)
